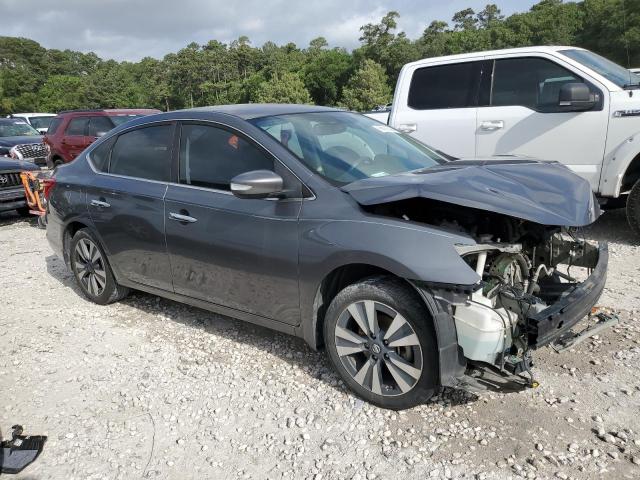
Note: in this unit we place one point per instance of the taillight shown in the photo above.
(47, 186)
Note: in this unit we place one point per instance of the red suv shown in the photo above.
(74, 130)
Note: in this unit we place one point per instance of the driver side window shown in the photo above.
(211, 156)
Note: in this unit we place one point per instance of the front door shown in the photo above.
(440, 107)
(523, 117)
(238, 253)
(126, 203)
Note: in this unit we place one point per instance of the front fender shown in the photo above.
(409, 251)
(616, 164)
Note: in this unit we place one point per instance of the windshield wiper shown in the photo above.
(630, 86)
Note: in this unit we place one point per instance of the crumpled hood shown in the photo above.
(543, 192)
(12, 141)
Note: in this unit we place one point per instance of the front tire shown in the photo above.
(633, 208)
(92, 271)
(380, 340)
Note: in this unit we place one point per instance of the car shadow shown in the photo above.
(11, 217)
(290, 349)
(612, 226)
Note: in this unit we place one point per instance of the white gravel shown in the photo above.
(150, 388)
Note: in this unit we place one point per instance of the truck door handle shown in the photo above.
(100, 204)
(407, 127)
(179, 217)
(492, 125)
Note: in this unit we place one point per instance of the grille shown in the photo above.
(32, 150)
(9, 180)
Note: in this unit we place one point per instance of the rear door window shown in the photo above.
(98, 126)
(55, 123)
(143, 153)
(445, 86)
(77, 126)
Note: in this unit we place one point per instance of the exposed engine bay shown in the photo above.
(534, 280)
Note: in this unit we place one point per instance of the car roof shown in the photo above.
(12, 121)
(248, 111)
(111, 111)
(33, 114)
(488, 53)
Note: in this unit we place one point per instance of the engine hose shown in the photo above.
(536, 275)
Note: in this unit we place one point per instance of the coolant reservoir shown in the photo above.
(482, 333)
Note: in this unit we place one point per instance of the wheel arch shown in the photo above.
(335, 281)
(631, 174)
(69, 231)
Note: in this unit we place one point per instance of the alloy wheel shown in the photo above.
(90, 267)
(379, 348)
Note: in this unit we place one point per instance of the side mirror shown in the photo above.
(576, 97)
(256, 184)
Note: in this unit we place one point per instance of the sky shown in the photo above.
(133, 29)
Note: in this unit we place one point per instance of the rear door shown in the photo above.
(74, 140)
(126, 202)
(439, 106)
(238, 253)
(522, 116)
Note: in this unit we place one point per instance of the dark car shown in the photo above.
(21, 141)
(411, 270)
(11, 189)
(72, 131)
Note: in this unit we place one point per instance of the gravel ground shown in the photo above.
(150, 388)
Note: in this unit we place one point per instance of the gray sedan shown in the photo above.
(413, 271)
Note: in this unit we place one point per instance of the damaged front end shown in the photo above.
(536, 277)
(535, 283)
(531, 294)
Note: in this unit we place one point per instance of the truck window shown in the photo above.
(529, 82)
(445, 86)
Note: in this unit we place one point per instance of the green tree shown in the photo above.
(325, 74)
(464, 19)
(366, 88)
(63, 92)
(284, 88)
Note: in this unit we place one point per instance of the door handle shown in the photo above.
(407, 127)
(492, 125)
(100, 204)
(179, 217)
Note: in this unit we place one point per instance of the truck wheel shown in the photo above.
(633, 208)
(380, 341)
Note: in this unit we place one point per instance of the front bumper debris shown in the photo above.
(575, 304)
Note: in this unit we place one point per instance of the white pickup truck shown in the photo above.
(555, 103)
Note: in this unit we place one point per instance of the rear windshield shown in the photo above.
(17, 128)
(41, 122)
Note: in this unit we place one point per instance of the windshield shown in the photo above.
(17, 128)
(608, 69)
(344, 147)
(41, 122)
(120, 119)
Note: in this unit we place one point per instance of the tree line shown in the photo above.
(34, 78)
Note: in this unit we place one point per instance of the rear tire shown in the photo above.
(391, 361)
(633, 208)
(91, 269)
